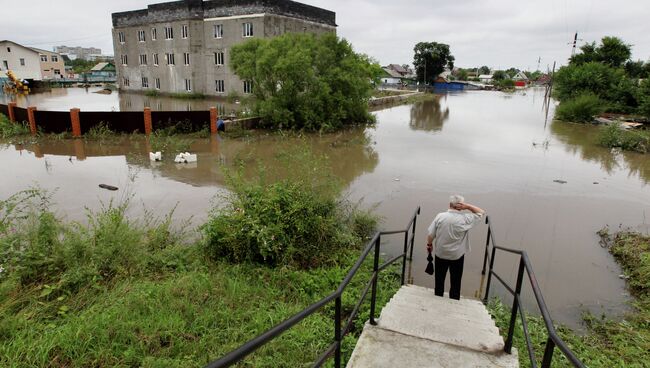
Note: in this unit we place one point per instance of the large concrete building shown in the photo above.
(78, 52)
(184, 46)
(30, 63)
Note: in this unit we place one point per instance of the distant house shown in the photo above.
(391, 76)
(104, 70)
(520, 76)
(485, 78)
(30, 62)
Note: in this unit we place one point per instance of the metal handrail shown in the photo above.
(553, 339)
(334, 348)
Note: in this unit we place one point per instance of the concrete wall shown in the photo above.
(31, 69)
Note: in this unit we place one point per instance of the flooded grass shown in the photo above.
(613, 136)
(607, 343)
(9, 129)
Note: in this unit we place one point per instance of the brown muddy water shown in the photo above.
(494, 148)
(86, 99)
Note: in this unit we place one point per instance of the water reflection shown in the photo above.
(582, 139)
(350, 154)
(429, 115)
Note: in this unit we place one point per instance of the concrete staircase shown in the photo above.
(419, 329)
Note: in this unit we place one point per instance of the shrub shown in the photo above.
(580, 109)
(631, 140)
(593, 77)
(10, 129)
(298, 221)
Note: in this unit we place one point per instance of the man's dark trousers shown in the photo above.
(455, 272)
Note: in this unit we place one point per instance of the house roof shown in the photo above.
(41, 51)
(98, 67)
(19, 45)
(398, 68)
(485, 76)
(520, 76)
(393, 73)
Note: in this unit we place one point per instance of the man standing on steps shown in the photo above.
(450, 231)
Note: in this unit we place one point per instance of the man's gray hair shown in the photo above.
(455, 199)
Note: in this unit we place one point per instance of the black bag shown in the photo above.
(429, 269)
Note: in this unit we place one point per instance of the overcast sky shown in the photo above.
(497, 33)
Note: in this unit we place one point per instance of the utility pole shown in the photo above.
(575, 42)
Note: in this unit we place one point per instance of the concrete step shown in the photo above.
(380, 348)
(479, 320)
(425, 292)
(441, 303)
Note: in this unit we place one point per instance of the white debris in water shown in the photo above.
(155, 156)
(185, 157)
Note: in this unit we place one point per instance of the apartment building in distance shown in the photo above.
(184, 46)
(78, 52)
(29, 62)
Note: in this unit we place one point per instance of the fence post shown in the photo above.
(12, 114)
(76, 123)
(337, 332)
(375, 275)
(515, 307)
(213, 120)
(32, 119)
(147, 121)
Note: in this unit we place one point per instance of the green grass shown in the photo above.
(613, 136)
(118, 291)
(9, 129)
(607, 343)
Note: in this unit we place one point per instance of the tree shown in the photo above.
(611, 51)
(430, 59)
(462, 75)
(484, 70)
(500, 75)
(304, 81)
(511, 72)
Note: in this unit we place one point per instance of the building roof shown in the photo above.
(485, 76)
(19, 45)
(199, 9)
(398, 68)
(98, 67)
(391, 72)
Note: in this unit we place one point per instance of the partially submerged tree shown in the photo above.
(304, 81)
(430, 59)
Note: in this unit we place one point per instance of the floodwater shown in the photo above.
(87, 99)
(494, 148)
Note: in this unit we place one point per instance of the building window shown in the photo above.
(157, 82)
(8, 49)
(124, 60)
(121, 37)
(57, 71)
(145, 82)
(188, 85)
(54, 58)
(218, 31)
(125, 82)
(248, 87)
(141, 36)
(185, 31)
(186, 58)
(169, 33)
(6, 64)
(218, 58)
(220, 86)
(143, 59)
(155, 59)
(22, 62)
(248, 29)
(154, 34)
(43, 57)
(170, 59)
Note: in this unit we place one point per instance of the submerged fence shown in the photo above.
(81, 122)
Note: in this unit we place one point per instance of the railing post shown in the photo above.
(12, 115)
(413, 237)
(548, 353)
(489, 280)
(515, 307)
(337, 332)
(406, 242)
(375, 274)
(487, 245)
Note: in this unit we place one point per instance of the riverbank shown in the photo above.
(607, 343)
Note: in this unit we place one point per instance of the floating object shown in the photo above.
(596, 182)
(185, 157)
(630, 125)
(107, 187)
(155, 156)
(560, 181)
(396, 179)
(601, 120)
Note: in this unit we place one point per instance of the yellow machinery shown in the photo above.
(15, 85)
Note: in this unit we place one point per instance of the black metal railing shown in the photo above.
(339, 331)
(553, 340)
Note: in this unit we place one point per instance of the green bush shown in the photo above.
(10, 129)
(632, 140)
(304, 81)
(299, 221)
(580, 109)
(506, 83)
